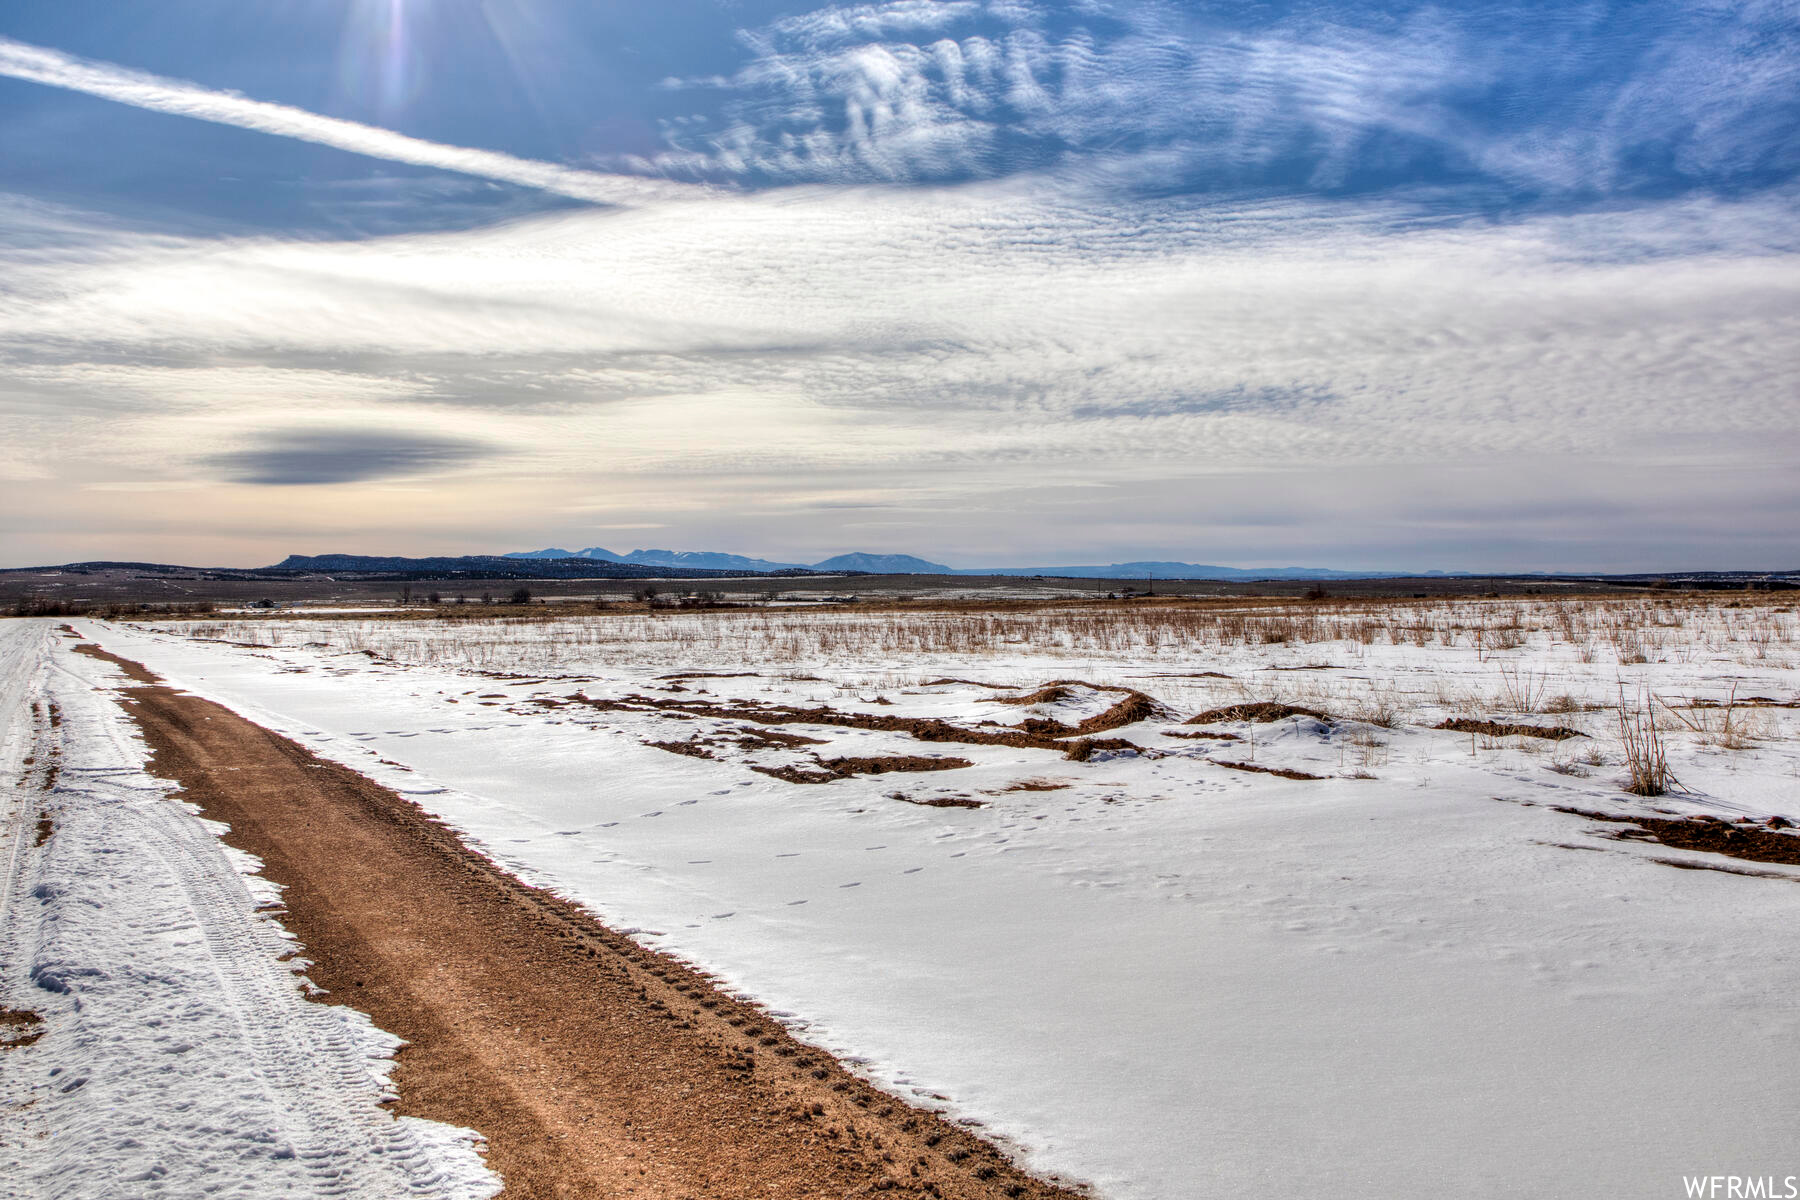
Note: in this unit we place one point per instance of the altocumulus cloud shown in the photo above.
(343, 456)
(1547, 99)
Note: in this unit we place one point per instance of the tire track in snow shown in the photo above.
(179, 1055)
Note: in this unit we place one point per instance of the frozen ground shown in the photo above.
(169, 1050)
(1410, 978)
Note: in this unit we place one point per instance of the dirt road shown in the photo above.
(593, 1066)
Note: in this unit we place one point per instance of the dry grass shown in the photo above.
(1386, 664)
(1638, 631)
(1646, 761)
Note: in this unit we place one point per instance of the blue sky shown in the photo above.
(1457, 286)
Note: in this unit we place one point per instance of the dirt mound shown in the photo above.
(939, 801)
(925, 729)
(792, 774)
(843, 768)
(691, 748)
(892, 762)
(1743, 839)
(1284, 772)
(1135, 707)
(763, 739)
(1085, 748)
(1044, 695)
(1263, 711)
(1555, 733)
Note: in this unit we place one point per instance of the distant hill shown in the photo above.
(713, 560)
(492, 566)
(553, 552)
(707, 560)
(883, 564)
(907, 564)
(1180, 570)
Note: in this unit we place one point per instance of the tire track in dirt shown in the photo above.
(592, 1065)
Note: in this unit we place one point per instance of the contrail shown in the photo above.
(21, 60)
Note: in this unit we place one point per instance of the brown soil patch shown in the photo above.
(45, 827)
(692, 748)
(712, 675)
(892, 762)
(19, 1027)
(1203, 734)
(1283, 772)
(1037, 785)
(1083, 749)
(925, 729)
(1133, 708)
(830, 769)
(792, 774)
(763, 739)
(1744, 839)
(939, 801)
(948, 679)
(593, 1066)
(1044, 695)
(1555, 733)
(133, 671)
(1264, 711)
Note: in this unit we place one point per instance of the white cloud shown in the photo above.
(37, 64)
(951, 362)
(904, 91)
(995, 329)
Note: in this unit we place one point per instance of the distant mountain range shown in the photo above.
(712, 560)
(906, 564)
(494, 566)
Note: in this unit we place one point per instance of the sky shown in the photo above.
(1368, 286)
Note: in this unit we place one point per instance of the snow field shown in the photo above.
(177, 1054)
(1160, 976)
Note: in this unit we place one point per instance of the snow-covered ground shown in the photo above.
(173, 1052)
(1413, 977)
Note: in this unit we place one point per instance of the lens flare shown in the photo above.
(380, 67)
